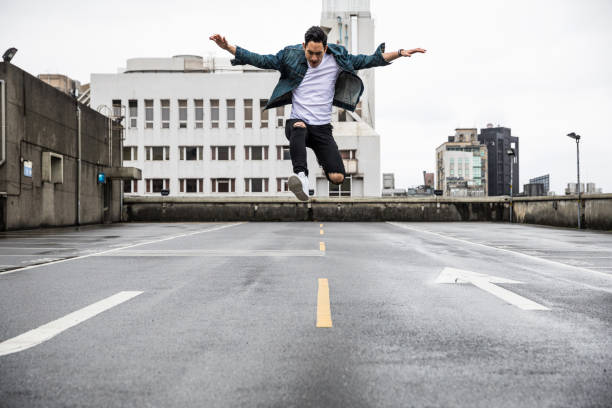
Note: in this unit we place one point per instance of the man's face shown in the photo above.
(314, 53)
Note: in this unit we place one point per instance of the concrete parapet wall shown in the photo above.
(320, 209)
(562, 211)
(555, 211)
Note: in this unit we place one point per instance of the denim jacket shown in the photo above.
(292, 64)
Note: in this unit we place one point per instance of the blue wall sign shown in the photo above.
(27, 168)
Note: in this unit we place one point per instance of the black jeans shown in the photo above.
(319, 138)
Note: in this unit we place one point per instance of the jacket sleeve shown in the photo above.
(270, 61)
(362, 61)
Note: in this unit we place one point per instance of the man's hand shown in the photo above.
(222, 43)
(408, 53)
(390, 56)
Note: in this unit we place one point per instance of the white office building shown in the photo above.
(195, 126)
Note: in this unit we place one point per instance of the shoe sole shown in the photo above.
(295, 186)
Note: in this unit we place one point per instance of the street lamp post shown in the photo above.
(577, 138)
(511, 154)
(9, 54)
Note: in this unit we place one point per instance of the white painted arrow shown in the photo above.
(486, 282)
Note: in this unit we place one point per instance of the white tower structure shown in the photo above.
(349, 23)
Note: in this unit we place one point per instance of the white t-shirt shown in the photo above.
(312, 99)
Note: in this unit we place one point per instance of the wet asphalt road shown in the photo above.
(225, 314)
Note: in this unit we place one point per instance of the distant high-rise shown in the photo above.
(428, 179)
(498, 140)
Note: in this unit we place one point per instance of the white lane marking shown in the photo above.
(21, 255)
(486, 283)
(47, 248)
(125, 247)
(574, 257)
(59, 235)
(219, 252)
(48, 331)
(605, 275)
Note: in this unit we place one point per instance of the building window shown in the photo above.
(223, 152)
(256, 152)
(116, 108)
(280, 116)
(182, 105)
(231, 113)
(264, 113)
(256, 185)
(149, 113)
(157, 152)
(282, 184)
(130, 153)
(133, 105)
(130, 186)
(191, 185)
(342, 190)
(248, 113)
(223, 185)
(283, 153)
(157, 185)
(191, 152)
(165, 113)
(199, 113)
(214, 113)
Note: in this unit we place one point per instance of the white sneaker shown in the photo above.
(298, 185)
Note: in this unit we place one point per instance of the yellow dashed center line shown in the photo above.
(321, 232)
(321, 225)
(323, 307)
(322, 246)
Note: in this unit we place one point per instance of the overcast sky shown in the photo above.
(541, 67)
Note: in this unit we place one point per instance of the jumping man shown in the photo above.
(314, 76)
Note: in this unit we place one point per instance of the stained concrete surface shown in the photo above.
(214, 327)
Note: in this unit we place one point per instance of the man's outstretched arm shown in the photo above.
(246, 57)
(380, 57)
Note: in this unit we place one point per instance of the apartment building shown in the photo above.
(461, 165)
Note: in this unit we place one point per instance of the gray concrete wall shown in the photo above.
(562, 211)
(556, 211)
(39, 119)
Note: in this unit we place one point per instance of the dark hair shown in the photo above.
(315, 34)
